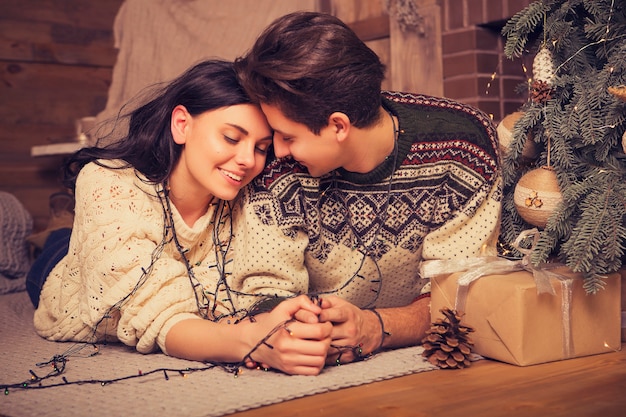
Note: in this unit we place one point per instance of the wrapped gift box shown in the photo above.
(514, 324)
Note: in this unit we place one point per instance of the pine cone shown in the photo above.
(540, 92)
(447, 343)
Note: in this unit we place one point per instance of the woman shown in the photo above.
(152, 236)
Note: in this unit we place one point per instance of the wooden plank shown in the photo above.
(16, 141)
(416, 58)
(44, 42)
(21, 137)
(51, 94)
(372, 28)
(56, 59)
(98, 14)
(47, 108)
(366, 18)
(27, 77)
(351, 11)
(57, 54)
(39, 172)
(46, 32)
(581, 387)
(325, 6)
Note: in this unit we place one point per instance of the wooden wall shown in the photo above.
(455, 49)
(412, 56)
(56, 59)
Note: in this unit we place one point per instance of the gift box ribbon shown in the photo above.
(480, 266)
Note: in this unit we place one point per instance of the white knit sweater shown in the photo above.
(118, 227)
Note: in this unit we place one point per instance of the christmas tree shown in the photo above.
(565, 165)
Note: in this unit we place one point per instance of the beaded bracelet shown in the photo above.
(384, 333)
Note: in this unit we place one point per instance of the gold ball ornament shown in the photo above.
(505, 137)
(536, 196)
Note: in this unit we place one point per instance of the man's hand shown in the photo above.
(355, 333)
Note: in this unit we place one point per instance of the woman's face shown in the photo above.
(223, 150)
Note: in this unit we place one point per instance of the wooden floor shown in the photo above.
(590, 386)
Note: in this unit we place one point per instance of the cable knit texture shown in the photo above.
(16, 224)
(444, 203)
(117, 233)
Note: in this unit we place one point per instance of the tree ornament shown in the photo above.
(505, 137)
(543, 66)
(543, 76)
(540, 92)
(585, 41)
(536, 196)
(447, 343)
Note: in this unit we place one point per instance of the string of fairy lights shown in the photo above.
(204, 297)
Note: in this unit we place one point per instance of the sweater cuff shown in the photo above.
(168, 326)
(419, 297)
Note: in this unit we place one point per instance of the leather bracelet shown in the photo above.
(383, 332)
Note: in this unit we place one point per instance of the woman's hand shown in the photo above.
(281, 342)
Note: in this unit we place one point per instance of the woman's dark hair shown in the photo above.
(310, 65)
(148, 145)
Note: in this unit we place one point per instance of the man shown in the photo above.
(365, 185)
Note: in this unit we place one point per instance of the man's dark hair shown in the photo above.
(310, 65)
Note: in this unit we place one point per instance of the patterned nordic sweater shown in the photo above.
(441, 200)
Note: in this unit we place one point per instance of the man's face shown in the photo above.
(320, 154)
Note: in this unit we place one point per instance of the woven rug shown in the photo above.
(155, 386)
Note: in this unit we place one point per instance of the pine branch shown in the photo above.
(523, 24)
(581, 124)
(596, 243)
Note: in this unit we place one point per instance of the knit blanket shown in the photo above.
(154, 384)
(15, 225)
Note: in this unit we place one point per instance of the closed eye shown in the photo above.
(262, 149)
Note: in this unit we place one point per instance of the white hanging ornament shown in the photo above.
(543, 66)
(536, 195)
(505, 137)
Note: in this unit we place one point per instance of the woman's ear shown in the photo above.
(180, 124)
(340, 124)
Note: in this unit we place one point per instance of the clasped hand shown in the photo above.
(312, 333)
